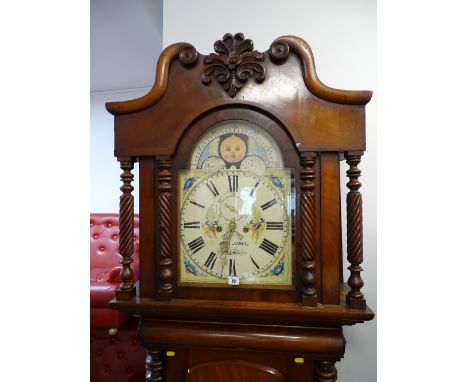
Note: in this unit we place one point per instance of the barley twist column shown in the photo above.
(154, 366)
(166, 243)
(355, 298)
(308, 230)
(126, 289)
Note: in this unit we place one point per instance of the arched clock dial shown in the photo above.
(235, 223)
(236, 144)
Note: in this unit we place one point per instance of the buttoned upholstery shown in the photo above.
(115, 353)
(117, 357)
(105, 268)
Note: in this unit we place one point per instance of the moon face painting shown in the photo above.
(236, 144)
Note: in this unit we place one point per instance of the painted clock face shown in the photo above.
(236, 144)
(235, 217)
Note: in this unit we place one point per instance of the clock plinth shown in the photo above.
(240, 217)
(126, 294)
(356, 303)
(309, 300)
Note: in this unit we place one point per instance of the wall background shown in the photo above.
(342, 36)
(105, 169)
(126, 40)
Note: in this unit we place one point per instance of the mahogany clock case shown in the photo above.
(315, 127)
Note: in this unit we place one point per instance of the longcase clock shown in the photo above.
(240, 221)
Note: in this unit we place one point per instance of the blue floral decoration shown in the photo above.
(190, 268)
(278, 269)
(276, 182)
(188, 183)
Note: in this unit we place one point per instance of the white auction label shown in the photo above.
(233, 280)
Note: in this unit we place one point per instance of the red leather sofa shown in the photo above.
(115, 353)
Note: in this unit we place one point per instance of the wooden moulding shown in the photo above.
(278, 52)
(160, 85)
(242, 312)
(238, 367)
(317, 342)
(316, 124)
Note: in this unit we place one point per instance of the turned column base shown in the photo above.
(309, 300)
(125, 294)
(325, 371)
(356, 303)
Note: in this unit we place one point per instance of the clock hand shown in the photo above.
(229, 207)
(226, 244)
(232, 227)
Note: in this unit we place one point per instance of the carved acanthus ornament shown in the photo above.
(234, 64)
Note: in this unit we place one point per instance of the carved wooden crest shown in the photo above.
(234, 64)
